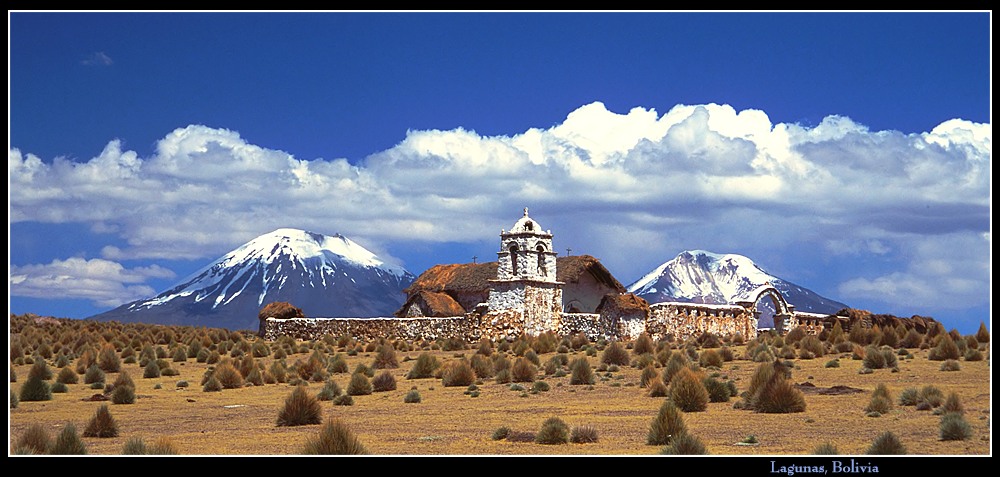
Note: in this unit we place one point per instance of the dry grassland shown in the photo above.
(449, 421)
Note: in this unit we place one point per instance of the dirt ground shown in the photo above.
(449, 421)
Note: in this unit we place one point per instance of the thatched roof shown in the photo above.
(625, 302)
(475, 277)
(281, 310)
(570, 269)
(456, 277)
(435, 304)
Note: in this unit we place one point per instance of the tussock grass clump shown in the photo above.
(945, 349)
(337, 364)
(108, 359)
(335, 438)
(330, 391)
(227, 375)
(954, 427)
(950, 365)
(458, 373)
(13, 399)
(718, 391)
(771, 392)
(688, 392)
(68, 442)
(384, 382)
(123, 394)
(657, 388)
(909, 397)
(953, 404)
(912, 339)
(102, 424)
(35, 389)
(709, 358)
(134, 446)
(532, 357)
(615, 353)
(667, 424)
(881, 400)
(359, 385)
(676, 362)
(643, 344)
(343, 400)
(973, 355)
(211, 385)
(40, 370)
(500, 433)
(813, 345)
(523, 371)
(412, 397)
(648, 374)
(580, 372)
(423, 367)
(301, 408)
(59, 388)
(482, 366)
(886, 443)
(67, 376)
(583, 435)
(553, 431)
(873, 358)
(386, 358)
(685, 444)
(826, 448)
(151, 370)
(35, 440)
(932, 395)
(878, 404)
(162, 446)
(983, 334)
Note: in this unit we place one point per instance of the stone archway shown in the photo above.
(783, 312)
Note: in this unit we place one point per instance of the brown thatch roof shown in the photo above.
(456, 277)
(435, 304)
(281, 310)
(475, 277)
(626, 302)
(570, 269)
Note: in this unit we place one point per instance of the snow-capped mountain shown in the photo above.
(325, 276)
(698, 276)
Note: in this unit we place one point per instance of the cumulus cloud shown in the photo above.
(697, 176)
(104, 282)
(948, 271)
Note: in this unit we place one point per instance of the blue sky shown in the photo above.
(846, 152)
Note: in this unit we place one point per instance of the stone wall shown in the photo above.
(373, 328)
(684, 320)
(542, 308)
(589, 324)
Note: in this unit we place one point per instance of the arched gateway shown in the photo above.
(783, 312)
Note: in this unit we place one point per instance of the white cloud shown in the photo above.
(104, 282)
(948, 271)
(704, 176)
(98, 58)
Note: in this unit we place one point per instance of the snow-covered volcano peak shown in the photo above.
(303, 244)
(701, 276)
(325, 275)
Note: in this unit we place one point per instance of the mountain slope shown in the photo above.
(698, 276)
(323, 275)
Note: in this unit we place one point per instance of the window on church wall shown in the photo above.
(541, 259)
(513, 259)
